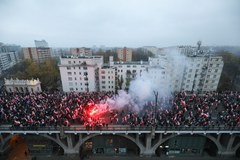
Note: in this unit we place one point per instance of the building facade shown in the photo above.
(7, 60)
(81, 51)
(124, 54)
(38, 55)
(106, 78)
(198, 72)
(80, 73)
(41, 44)
(23, 86)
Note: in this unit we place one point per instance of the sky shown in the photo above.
(118, 23)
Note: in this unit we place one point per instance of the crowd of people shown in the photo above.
(181, 109)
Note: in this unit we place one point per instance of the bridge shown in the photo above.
(147, 138)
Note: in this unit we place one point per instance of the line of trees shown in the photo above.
(47, 72)
(230, 77)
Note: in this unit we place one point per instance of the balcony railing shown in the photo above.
(81, 128)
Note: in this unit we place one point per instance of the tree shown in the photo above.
(230, 73)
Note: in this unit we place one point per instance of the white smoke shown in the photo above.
(169, 72)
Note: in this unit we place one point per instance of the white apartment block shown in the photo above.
(23, 86)
(80, 73)
(127, 71)
(124, 54)
(7, 60)
(107, 78)
(196, 72)
(203, 73)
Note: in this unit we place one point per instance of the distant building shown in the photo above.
(7, 60)
(23, 86)
(9, 56)
(81, 51)
(38, 55)
(124, 54)
(151, 49)
(41, 44)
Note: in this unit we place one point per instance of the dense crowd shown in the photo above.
(181, 109)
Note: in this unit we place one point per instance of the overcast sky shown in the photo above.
(131, 23)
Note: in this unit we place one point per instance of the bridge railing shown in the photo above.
(119, 128)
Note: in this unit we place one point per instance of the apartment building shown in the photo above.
(7, 60)
(38, 55)
(81, 51)
(124, 54)
(80, 73)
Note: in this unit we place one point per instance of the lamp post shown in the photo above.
(156, 99)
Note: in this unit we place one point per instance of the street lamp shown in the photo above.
(156, 99)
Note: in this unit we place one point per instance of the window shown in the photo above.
(217, 65)
(69, 62)
(74, 73)
(71, 89)
(68, 68)
(79, 73)
(74, 62)
(198, 65)
(69, 73)
(103, 72)
(208, 76)
(216, 70)
(70, 78)
(214, 76)
(188, 81)
(213, 81)
(128, 66)
(103, 82)
(103, 77)
(190, 70)
(134, 66)
(103, 87)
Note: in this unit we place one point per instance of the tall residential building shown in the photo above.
(41, 44)
(38, 55)
(7, 60)
(124, 54)
(80, 73)
(81, 51)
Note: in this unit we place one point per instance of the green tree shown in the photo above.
(231, 71)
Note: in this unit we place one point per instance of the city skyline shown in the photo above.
(120, 23)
